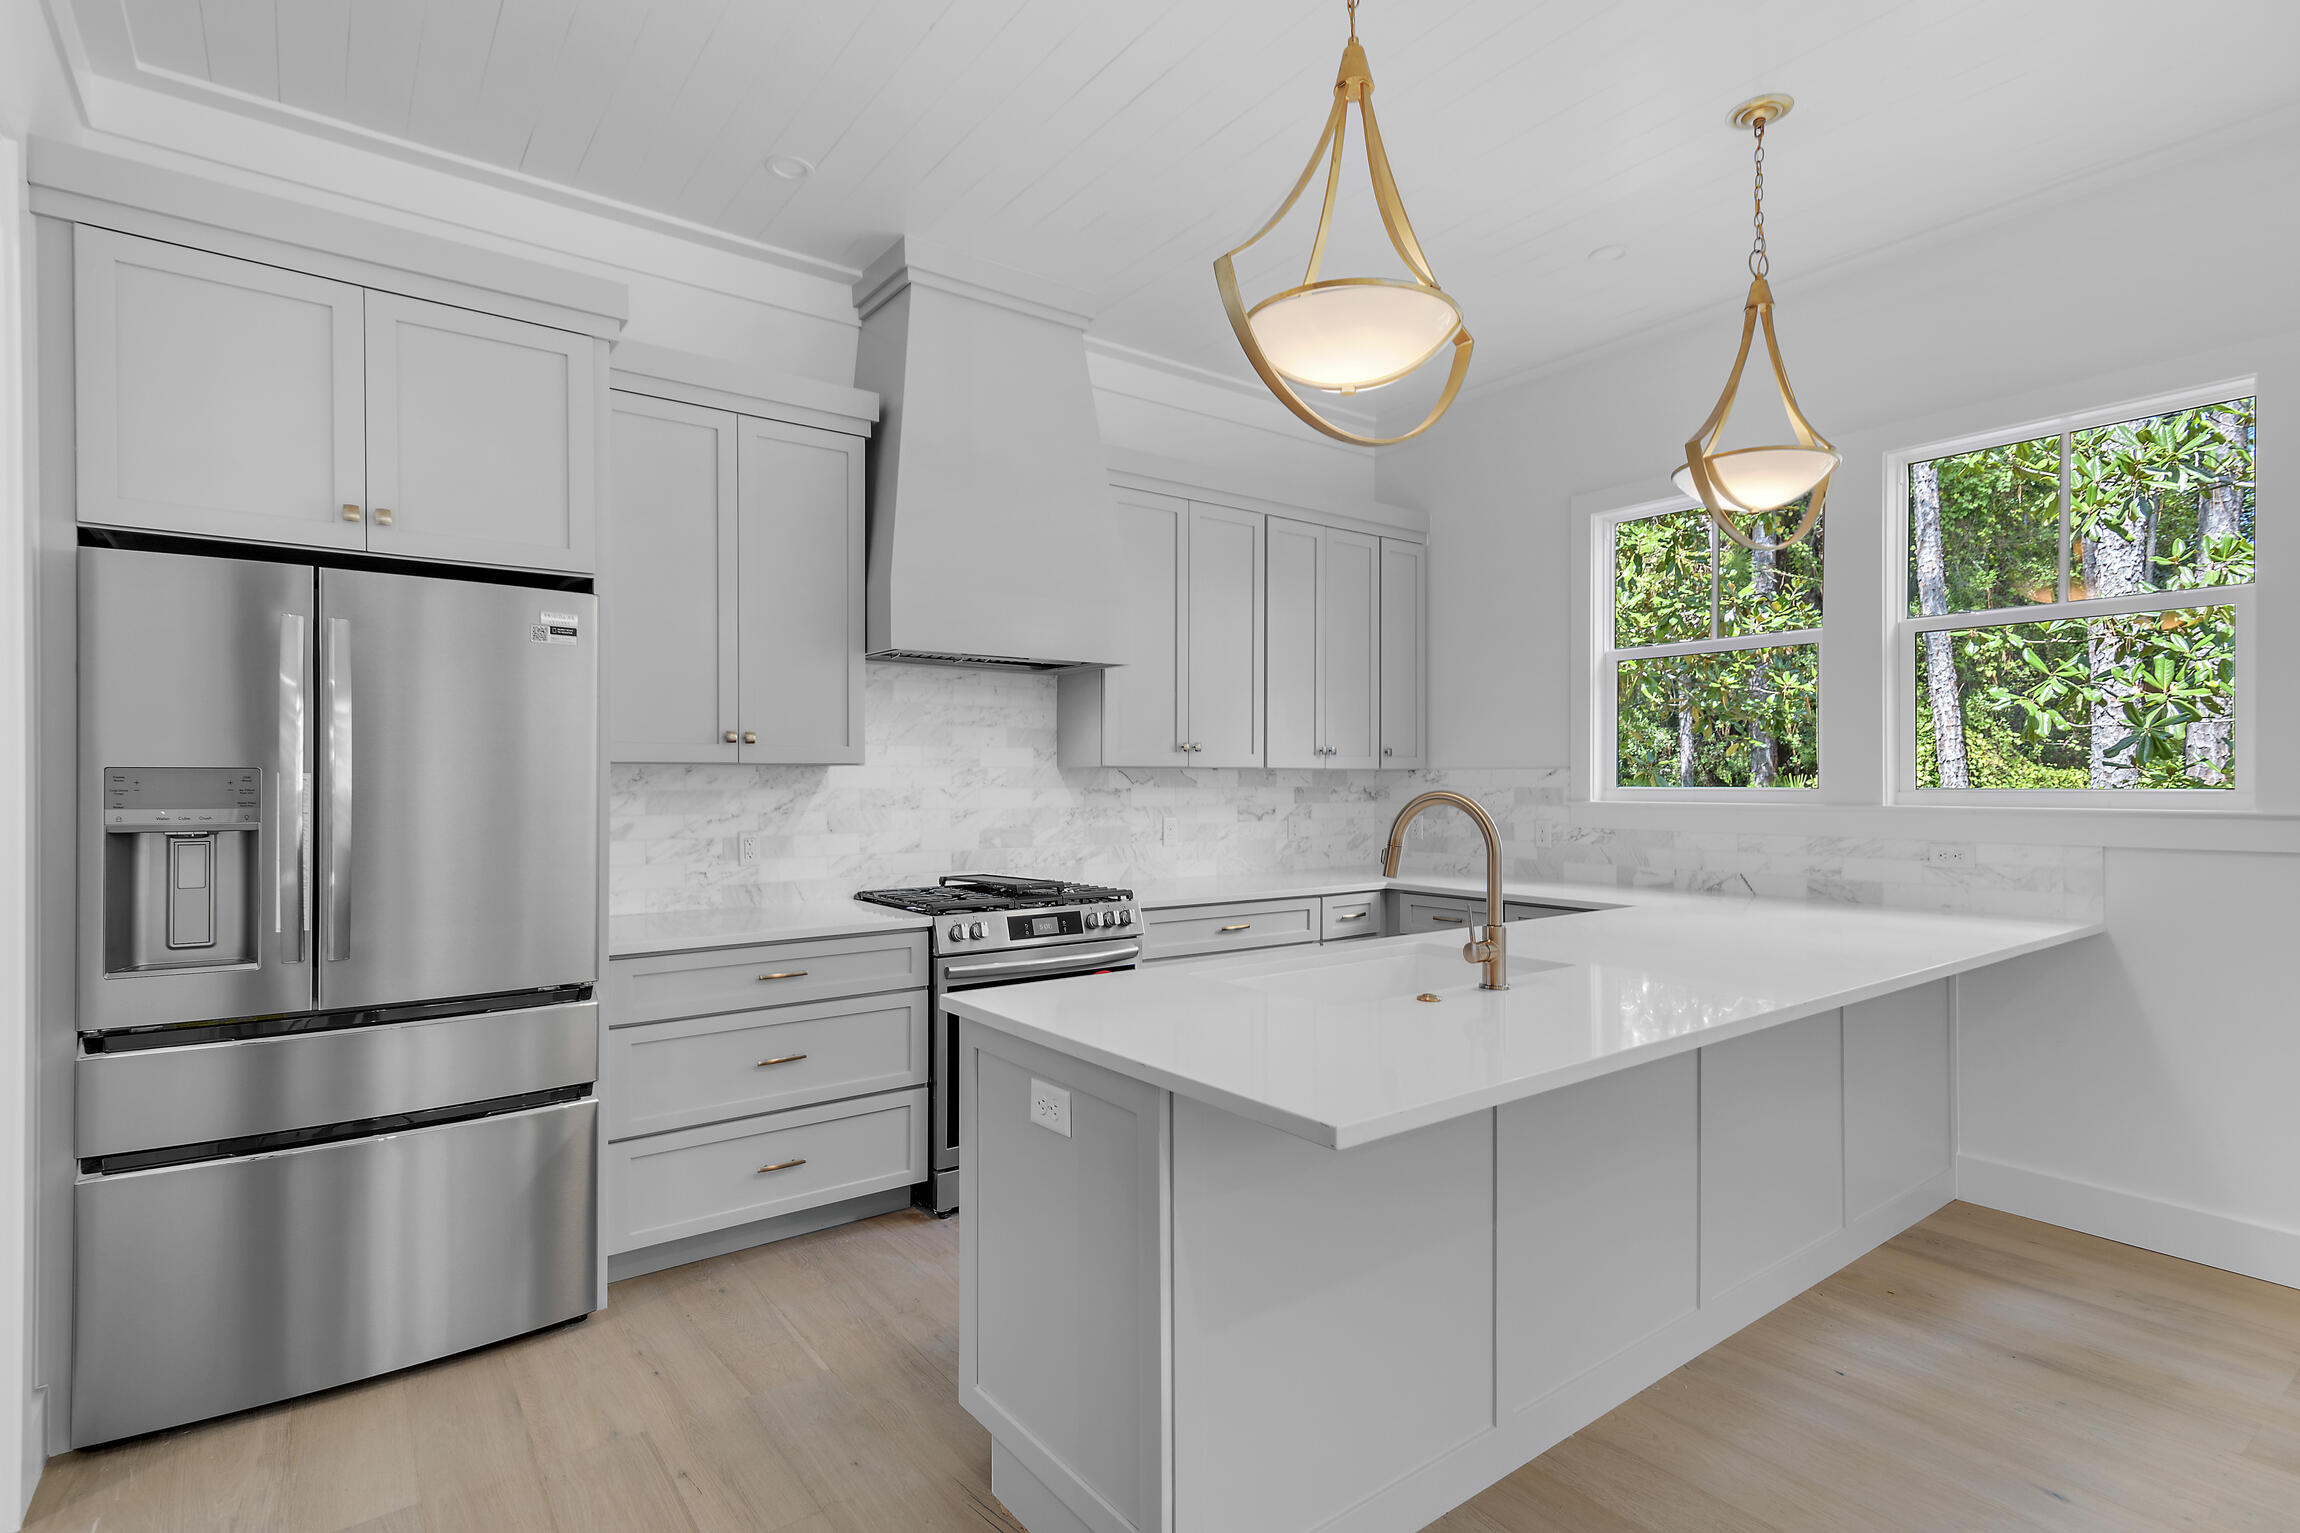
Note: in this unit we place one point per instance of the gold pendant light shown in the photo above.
(1344, 334)
(1754, 480)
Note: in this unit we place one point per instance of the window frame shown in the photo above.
(1605, 667)
(1901, 629)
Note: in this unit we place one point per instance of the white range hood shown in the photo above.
(992, 541)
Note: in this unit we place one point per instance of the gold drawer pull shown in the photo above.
(781, 1059)
(750, 737)
(1448, 920)
(1242, 926)
(729, 737)
(784, 974)
(1354, 915)
(350, 512)
(782, 1165)
(383, 515)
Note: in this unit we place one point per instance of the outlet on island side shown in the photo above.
(1050, 1107)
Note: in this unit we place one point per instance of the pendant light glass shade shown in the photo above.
(1754, 480)
(1346, 334)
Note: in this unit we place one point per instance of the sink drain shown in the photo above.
(1427, 996)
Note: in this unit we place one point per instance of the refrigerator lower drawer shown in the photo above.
(210, 1288)
(214, 1091)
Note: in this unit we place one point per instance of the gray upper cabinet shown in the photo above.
(1187, 607)
(799, 594)
(1324, 646)
(670, 552)
(1404, 647)
(481, 437)
(734, 625)
(228, 398)
(217, 396)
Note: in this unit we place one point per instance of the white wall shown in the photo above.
(2130, 1073)
(21, 1447)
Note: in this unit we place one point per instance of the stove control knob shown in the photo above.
(976, 931)
(1098, 918)
(1125, 918)
(957, 932)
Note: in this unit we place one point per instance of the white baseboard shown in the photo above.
(2130, 1218)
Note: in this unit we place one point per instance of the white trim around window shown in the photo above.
(1901, 629)
(1603, 677)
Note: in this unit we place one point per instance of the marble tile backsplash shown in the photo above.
(960, 774)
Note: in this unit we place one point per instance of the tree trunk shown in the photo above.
(2207, 750)
(1764, 750)
(1941, 689)
(1686, 758)
(2112, 567)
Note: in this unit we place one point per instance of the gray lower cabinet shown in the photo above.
(745, 1084)
(735, 593)
(1410, 912)
(1207, 931)
(1344, 916)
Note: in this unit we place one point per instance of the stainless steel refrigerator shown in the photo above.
(338, 857)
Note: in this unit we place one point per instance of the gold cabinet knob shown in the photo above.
(383, 515)
(351, 513)
(729, 737)
(749, 738)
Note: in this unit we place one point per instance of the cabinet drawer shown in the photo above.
(671, 1186)
(1438, 913)
(667, 1075)
(660, 986)
(1526, 910)
(1350, 915)
(1192, 929)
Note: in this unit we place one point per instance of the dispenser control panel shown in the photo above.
(183, 798)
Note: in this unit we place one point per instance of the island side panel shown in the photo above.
(1597, 1222)
(1899, 1127)
(1333, 1315)
(1772, 1148)
(1063, 1266)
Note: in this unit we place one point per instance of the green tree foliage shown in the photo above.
(1744, 718)
(2160, 504)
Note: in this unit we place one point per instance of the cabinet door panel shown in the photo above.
(670, 618)
(1349, 643)
(1224, 590)
(480, 437)
(1293, 653)
(799, 554)
(216, 396)
(1403, 645)
(1143, 717)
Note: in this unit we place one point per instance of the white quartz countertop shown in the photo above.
(679, 931)
(1338, 1051)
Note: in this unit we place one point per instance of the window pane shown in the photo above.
(2163, 503)
(1744, 719)
(2141, 701)
(1984, 529)
(1661, 579)
(1772, 592)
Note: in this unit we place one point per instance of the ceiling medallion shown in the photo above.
(1754, 480)
(1344, 334)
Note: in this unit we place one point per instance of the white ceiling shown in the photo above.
(1118, 148)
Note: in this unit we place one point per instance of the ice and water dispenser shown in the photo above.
(180, 867)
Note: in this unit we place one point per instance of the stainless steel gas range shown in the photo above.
(991, 929)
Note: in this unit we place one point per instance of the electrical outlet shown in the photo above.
(1949, 855)
(748, 848)
(1050, 1107)
(1169, 830)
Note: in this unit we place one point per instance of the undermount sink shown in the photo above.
(1440, 971)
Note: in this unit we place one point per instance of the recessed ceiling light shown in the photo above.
(1609, 252)
(790, 167)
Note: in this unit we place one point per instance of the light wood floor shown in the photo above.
(1979, 1372)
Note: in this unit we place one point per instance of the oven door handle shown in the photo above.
(1080, 959)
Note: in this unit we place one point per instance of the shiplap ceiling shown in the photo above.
(1118, 148)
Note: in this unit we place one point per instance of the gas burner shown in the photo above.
(936, 901)
(1026, 892)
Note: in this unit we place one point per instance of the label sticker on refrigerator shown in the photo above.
(556, 628)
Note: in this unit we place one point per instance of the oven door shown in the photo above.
(971, 972)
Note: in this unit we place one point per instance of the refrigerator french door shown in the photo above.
(338, 937)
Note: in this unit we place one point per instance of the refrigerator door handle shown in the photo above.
(291, 800)
(339, 785)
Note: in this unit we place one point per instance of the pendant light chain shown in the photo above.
(1353, 20)
(1759, 263)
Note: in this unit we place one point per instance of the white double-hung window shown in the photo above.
(1708, 656)
(2076, 625)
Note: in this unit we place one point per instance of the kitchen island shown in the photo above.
(1333, 1239)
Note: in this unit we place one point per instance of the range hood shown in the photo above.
(992, 541)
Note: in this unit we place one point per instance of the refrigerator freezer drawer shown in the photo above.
(211, 1288)
(162, 1097)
